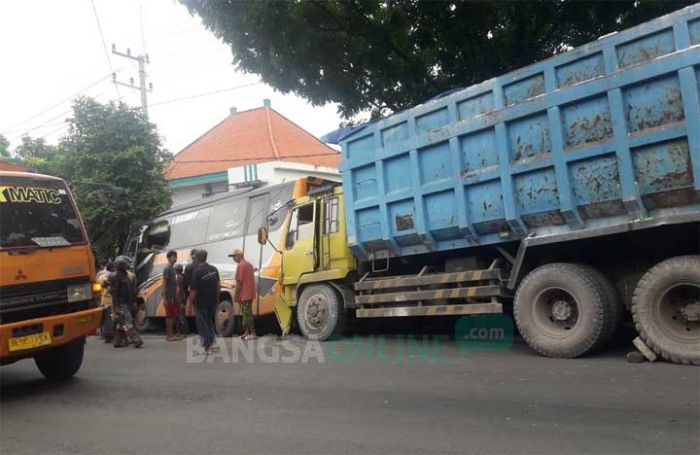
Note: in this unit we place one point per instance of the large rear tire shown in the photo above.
(666, 309)
(62, 362)
(615, 308)
(320, 312)
(563, 310)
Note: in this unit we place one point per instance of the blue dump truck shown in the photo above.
(567, 191)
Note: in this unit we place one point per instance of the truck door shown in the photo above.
(300, 255)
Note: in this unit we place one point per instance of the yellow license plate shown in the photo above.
(30, 341)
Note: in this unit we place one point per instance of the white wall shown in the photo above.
(183, 194)
(274, 172)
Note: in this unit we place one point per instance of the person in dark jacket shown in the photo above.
(187, 274)
(204, 293)
(123, 291)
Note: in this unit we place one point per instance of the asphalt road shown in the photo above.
(418, 398)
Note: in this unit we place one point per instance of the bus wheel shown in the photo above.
(666, 309)
(320, 312)
(562, 310)
(62, 362)
(226, 322)
(145, 325)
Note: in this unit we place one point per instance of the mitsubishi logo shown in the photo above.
(20, 275)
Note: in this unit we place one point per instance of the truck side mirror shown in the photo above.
(262, 235)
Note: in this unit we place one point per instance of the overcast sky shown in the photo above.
(52, 50)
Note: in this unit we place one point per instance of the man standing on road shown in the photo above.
(170, 301)
(204, 293)
(245, 292)
(123, 291)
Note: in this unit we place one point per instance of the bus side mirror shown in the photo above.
(262, 235)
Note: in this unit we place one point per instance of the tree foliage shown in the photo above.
(4, 147)
(387, 55)
(34, 149)
(108, 147)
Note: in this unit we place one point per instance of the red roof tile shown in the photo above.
(248, 137)
(8, 166)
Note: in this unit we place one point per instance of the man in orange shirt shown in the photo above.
(245, 292)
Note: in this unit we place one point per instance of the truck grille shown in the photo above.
(36, 300)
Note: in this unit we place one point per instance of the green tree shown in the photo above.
(4, 147)
(108, 146)
(39, 155)
(387, 55)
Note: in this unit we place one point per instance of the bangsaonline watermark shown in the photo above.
(491, 332)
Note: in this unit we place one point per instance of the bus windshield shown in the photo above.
(37, 212)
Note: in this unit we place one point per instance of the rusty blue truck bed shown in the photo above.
(607, 134)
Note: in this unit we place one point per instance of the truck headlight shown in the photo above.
(79, 292)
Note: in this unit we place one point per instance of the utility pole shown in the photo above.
(142, 60)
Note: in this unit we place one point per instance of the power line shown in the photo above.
(40, 126)
(54, 131)
(24, 132)
(104, 44)
(48, 123)
(198, 95)
(14, 127)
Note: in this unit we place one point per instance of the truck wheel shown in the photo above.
(666, 309)
(226, 323)
(62, 362)
(561, 310)
(320, 312)
(615, 308)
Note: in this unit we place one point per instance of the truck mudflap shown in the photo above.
(26, 338)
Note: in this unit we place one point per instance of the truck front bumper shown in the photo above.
(60, 328)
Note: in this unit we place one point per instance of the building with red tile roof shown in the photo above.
(243, 138)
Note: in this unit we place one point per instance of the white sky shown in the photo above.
(52, 50)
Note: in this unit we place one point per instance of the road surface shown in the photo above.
(418, 398)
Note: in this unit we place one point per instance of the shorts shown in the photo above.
(172, 308)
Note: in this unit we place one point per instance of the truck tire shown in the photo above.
(562, 310)
(62, 362)
(225, 322)
(320, 312)
(615, 308)
(666, 309)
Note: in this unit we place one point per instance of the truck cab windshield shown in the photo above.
(37, 213)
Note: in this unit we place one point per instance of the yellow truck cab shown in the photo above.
(316, 262)
(48, 292)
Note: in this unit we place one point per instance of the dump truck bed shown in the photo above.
(607, 134)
